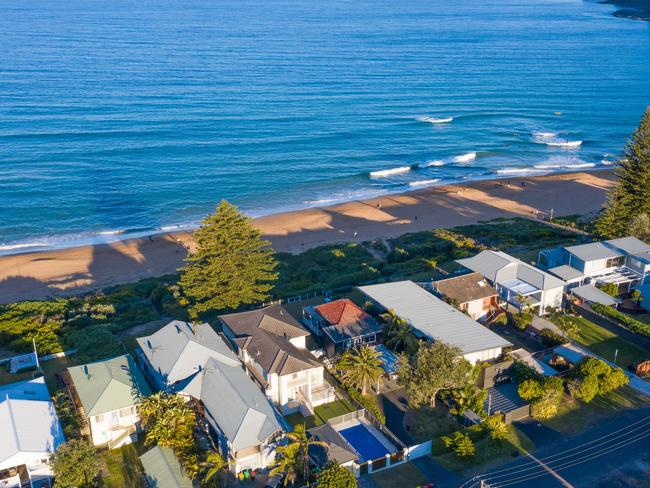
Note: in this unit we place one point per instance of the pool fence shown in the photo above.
(399, 454)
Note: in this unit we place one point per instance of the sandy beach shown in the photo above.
(77, 270)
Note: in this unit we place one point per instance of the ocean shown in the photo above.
(124, 118)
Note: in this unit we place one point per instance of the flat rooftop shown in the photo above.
(432, 317)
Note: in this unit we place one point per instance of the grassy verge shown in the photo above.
(605, 343)
(50, 369)
(488, 453)
(322, 414)
(123, 468)
(575, 416)
(406, 475)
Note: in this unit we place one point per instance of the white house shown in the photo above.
(513, 278)
(30, 432)
(433, 319)
(272, 345)
(624, 262)
(194, 361)
(106, 393)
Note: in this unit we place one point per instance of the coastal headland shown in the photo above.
(38, 275)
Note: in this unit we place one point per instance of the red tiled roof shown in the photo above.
(342, 312)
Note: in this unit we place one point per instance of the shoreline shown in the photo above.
(69, 271)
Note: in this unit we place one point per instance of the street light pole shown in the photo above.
(615, 356)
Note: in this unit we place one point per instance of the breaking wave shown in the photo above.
(552, 139)
(383, 173)
(465, 158)
(435, 120)
(423, 182)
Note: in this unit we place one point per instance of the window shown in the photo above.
(294, 376)
(99, 418)
(615, 262)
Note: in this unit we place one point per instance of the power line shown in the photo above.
(624, 431)
(579, 461)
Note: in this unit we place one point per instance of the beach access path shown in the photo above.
(63, 272)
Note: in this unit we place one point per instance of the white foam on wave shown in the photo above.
(465, 158)
(435, 120)
(424, 182)
(383, 173)
(437, 162)
(518, 171)
(552, 139)
(576, 165)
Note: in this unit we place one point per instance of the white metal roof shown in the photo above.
(498, 267)
(566, 272)
(592, 294)
(28, 426)
(629, 245)
(593, 251)
(432, 317)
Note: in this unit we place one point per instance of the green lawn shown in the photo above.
(575, 416)
(488, 453)
(426, 423)
(605, 343)
(403, 476)
(322, 413)
(123, 467)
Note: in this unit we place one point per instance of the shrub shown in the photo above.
(521, 371)
(544, 396)
(94, 343)
(495, 427)
(593, 377)
(551, 339)
(460, 443)
(368, 402)
(335, 476)
(623, 319)
(610, 288)
(521, 320)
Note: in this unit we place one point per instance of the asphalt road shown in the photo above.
(613, 454)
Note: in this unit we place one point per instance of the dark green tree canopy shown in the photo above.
(630, 196)
(335, 476)
(75, 464)
(435, 367)
(232, 264)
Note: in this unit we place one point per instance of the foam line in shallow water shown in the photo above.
(416, 184)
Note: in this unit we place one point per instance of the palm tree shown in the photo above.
(398, 334)
(299, 436)
(361, 367)
(212, 466)
(288, 463)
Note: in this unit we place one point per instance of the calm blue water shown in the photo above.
(133, 116)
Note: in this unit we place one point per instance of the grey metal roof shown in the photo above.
(566, 272)
(592, 294)
(28, 426)
(337, 447)
(432, 317)
(236, 405)
(629, 245)
(162, 469)
(593, 251)
(108, 385)
(499, 267)
(179, 349)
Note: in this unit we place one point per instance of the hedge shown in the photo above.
(623, 319)
(368, 402)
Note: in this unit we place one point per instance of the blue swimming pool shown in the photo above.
(364, 442)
